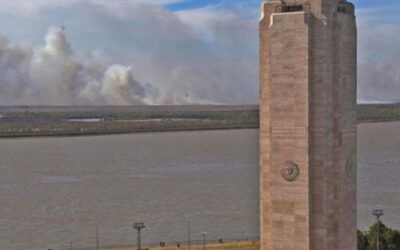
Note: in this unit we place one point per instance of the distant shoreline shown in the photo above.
(120, 133)
(31, 122)
(148, 132)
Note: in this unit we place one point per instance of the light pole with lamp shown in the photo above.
(189, 234)
(204, 240)
(138, 226)
(378, 213)
(241, 240)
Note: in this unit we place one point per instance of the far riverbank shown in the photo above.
(90, 121)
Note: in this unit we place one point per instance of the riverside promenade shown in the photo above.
(243, 245)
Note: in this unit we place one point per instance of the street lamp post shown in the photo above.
(241, 240)
(378, 213)
(188, 234)
(204, 240)
(138, 226)
(97, 238)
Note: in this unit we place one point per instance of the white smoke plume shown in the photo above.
(53, 75)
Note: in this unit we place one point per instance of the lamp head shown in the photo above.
(138, 225)
(377, 212)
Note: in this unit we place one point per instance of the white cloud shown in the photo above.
(30, 7)
(183, 60)
(52, 75)
(379, 56)
(206, 55)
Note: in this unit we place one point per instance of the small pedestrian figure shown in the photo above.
(178, 244)
(220, 241)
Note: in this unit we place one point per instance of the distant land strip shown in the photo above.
(89, 120)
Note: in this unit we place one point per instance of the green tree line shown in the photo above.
(389, 239)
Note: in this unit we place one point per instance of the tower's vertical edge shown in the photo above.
(284, 79)
(345, 123)
(308, 66)
(265, 124)
(289, 109)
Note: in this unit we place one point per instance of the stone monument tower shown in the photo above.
(308, 64)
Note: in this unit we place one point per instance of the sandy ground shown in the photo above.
(247, 245)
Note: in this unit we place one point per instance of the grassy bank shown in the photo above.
(378, 112)
(94, 121)
(70, 121)
(247, 245)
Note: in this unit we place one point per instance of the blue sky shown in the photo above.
(191, 4)
(166, 51)
(390, 9)
(377, 47)
(374, 3)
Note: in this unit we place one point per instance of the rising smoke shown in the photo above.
(53, 75)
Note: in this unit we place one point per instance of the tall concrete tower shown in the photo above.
(308, 64)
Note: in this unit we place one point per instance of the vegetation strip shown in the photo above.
(78, 121)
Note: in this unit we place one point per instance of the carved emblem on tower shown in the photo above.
(351, 165)
(290, 171)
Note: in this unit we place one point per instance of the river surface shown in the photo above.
(54, 191)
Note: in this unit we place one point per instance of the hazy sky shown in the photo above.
(162, 51)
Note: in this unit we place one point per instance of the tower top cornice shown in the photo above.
(322, 9)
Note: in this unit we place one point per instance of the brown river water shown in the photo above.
(54, 191)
